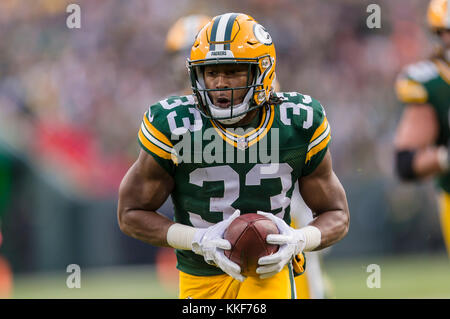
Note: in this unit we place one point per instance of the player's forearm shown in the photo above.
(144, 188)
(149, 227)
(333, 226)
(413, 164)
(430, 161)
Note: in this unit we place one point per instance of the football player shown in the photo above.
(6, 280)
(179, 40)
(200, 149)
(422, 137)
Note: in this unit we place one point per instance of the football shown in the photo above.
(247, 235)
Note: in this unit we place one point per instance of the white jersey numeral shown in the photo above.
(231, 186)
(307, 123)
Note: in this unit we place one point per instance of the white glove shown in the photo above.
(291, 241)
(209, 243)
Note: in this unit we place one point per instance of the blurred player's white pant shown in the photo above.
(312, 279)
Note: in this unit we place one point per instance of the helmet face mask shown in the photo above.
(241, 97)
(247, 44)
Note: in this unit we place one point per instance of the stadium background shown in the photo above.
(71, 101)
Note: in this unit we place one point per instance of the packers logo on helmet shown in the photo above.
(233, 38)
(438, 15)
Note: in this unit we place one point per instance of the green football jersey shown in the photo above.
(218, 170)
(428, 82)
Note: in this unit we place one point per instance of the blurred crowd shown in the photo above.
(71, 100)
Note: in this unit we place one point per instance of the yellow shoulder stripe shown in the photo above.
(409, 91)
(157, 134)
(316, 149)
(152, 147)
(320, 129)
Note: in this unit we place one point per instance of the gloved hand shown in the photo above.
(292, 242)
(209, 243)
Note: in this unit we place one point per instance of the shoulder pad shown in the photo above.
(422, 71)
(410, 91)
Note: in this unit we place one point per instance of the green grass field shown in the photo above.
(401, 277)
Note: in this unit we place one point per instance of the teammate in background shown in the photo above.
(6, 275)
(179, 40)
(232, 67)
(422, 137)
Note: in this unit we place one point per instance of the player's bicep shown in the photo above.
(321, 190)
(146, 186)
(418, 127)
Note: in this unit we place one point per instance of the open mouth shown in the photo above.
(223, 102)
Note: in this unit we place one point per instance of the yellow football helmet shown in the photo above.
(234, 38)
(182, 34)
(438, 15)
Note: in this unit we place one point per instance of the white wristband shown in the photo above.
(313, 237)
(442, 155)
(181, 236)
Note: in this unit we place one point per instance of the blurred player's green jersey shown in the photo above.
(5, 183)
(217, 170)
(428, 82)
